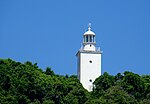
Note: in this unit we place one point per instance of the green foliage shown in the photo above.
(102, 83)
(49, 71)
(22, 83)
(116, 95)
(127, 88)
(133, 84)
(26, 83)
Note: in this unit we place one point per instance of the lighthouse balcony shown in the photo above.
(89, 43)
(96, 50)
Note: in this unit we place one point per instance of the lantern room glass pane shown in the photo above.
(86, 38)
(90, 38)
(93, 38)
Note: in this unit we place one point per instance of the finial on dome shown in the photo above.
(89, 27)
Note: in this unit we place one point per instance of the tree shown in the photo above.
(116, 95)
(102, 83)
(49, 71)
(133, 84)
(146, 80)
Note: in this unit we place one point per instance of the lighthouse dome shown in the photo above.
(89, 32)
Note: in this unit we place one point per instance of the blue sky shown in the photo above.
(49, 32)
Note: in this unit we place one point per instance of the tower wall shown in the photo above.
(89, 68)
(89, 47)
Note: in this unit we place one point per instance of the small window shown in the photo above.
(90, 45)
(90, 61)
(90, 80)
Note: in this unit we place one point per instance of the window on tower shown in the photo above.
(90, 61)
(90, 80)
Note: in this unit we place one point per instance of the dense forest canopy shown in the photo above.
(22, 83)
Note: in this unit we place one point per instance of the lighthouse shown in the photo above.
(88, 60)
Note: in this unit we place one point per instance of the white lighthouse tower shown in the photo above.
(88, 60)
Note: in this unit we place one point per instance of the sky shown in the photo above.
(49, 32)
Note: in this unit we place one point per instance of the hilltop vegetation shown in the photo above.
(22, 83)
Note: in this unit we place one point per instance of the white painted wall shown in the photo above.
(89, 47)
(87, 70)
